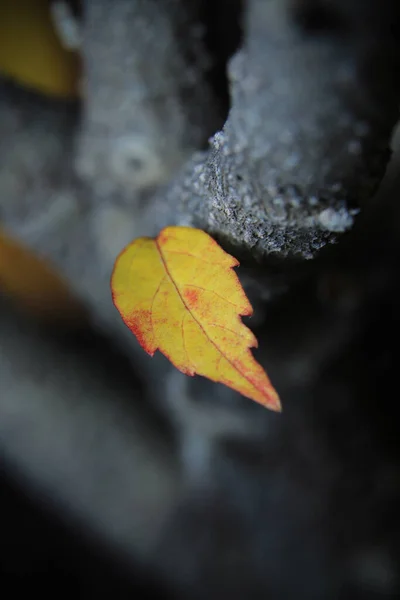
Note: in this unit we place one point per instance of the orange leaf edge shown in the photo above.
(272, 400)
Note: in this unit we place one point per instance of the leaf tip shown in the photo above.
(268, 397)
(273, 402)
(276, 404)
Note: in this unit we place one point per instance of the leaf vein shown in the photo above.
(212, 292)
(197, 321)
(227, 329)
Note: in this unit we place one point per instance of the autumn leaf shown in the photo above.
(179, 294)
(31, 52)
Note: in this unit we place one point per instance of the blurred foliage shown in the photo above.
(31, 52)
(32, 55)
(34, 284)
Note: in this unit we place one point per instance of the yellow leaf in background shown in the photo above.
(179, 294)
(34, 285)
(31, 52)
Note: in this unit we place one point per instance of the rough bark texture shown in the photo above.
(305, 143)
(272, 505)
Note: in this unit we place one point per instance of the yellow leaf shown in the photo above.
(179, 294)
(31, 52)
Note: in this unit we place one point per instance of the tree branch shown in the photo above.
(306, 141)
(148, 102)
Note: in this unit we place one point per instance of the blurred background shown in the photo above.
(44, 549)
(93, 500)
